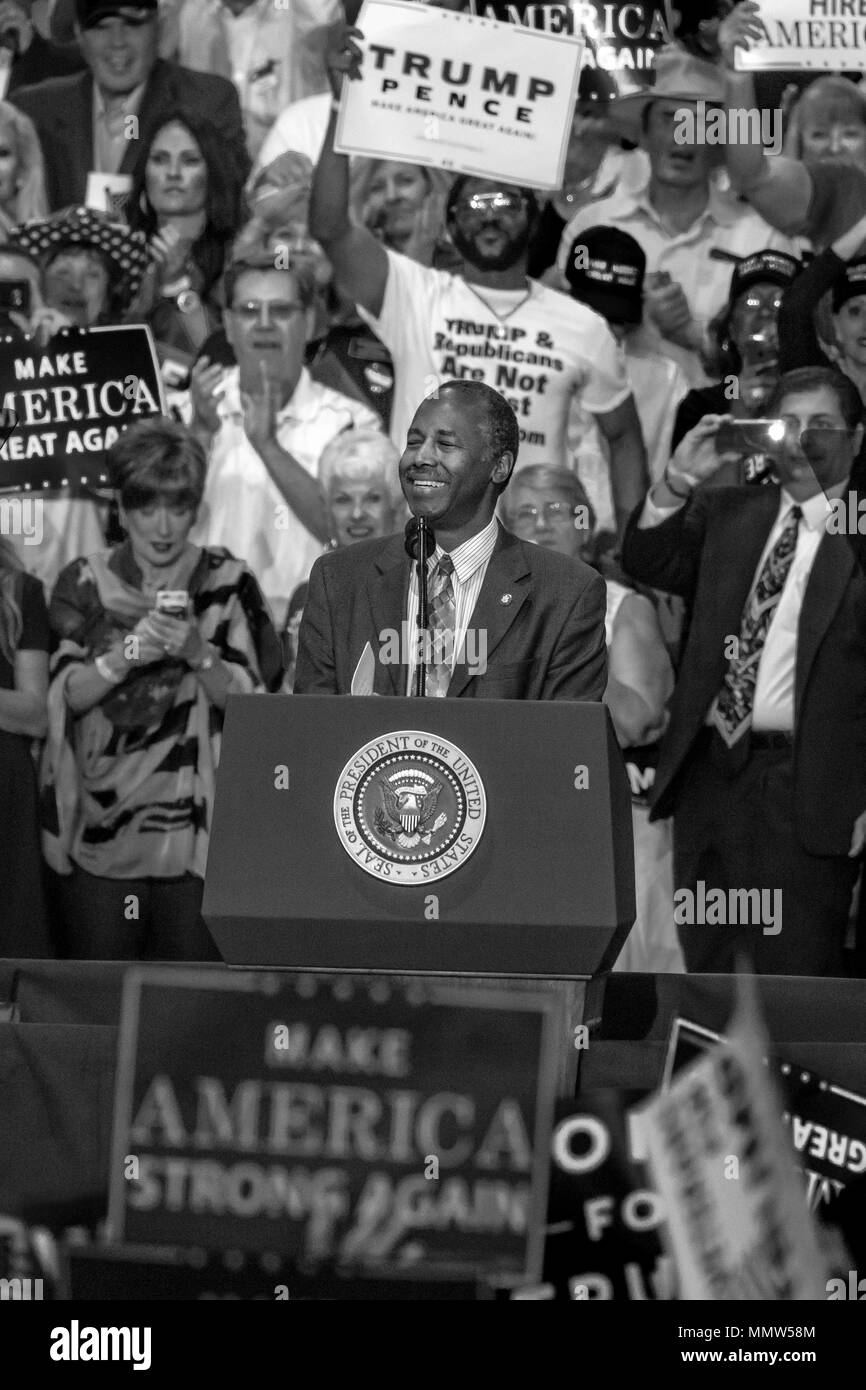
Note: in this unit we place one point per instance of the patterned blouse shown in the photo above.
(128, 786)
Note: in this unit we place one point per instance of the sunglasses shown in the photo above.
(479, 203)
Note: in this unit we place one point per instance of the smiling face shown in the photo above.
(176, 174)
(489, 224)
(818, 449)
(833, 130)
(76, 283)
(360, 509)
(674, 165)
(120, 50)
(395, 196)
(850, 326)
(158, 531)
(448, 472)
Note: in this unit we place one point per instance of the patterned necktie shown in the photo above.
(733, 713)
(443, 611)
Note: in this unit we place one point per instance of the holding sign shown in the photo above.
(461, 93)
(70, 401)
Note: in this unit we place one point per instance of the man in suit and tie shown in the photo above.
(763, 764)
(93, 121)
(508, 620)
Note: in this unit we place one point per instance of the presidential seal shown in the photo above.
(409, 807)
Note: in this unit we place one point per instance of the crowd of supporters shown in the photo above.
(299, 302)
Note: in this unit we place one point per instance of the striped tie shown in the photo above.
(443, 610)
(732, 716)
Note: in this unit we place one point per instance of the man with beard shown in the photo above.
(763, 764)
(508, 619)
(492, 324)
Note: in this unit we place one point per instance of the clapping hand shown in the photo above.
(170, 251)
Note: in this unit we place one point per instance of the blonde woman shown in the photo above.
(22, 174)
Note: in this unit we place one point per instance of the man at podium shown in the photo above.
(507, 620)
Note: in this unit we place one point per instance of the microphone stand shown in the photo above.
(420, 544)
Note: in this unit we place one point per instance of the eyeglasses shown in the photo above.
(476, 205)
(552, 512)
(280, 310)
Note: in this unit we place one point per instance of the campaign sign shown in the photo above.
(602, 1240)
(736, 1224)
(622, 37)
(337, 1122)
(109, 1273)
(461, 93)
(826, 1122)
(823, 35)
(70, 401)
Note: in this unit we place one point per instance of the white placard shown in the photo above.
(808, 34)
(461, 93)
(738, 1226)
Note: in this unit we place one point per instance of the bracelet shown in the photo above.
(105, 671)
(683, 496)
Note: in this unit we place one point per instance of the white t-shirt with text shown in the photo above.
(538, 347)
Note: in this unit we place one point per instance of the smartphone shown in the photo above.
(15, 295)
(749, 436)
(174, 603)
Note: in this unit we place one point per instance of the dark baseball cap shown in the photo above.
(605, 270)
(852, 283)
(773, 267)
(89, 12)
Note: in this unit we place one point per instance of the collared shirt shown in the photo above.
(470, 566)
(773, 703)
(725, 224)
(110, 135)
(244, 510)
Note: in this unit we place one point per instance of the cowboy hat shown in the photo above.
(679, 76)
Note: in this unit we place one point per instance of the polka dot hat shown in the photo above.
(125, 249)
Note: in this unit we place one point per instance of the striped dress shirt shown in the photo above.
(470, 566)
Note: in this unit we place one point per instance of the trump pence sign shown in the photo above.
(461, 93)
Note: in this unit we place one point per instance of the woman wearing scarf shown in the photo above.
(135, 708)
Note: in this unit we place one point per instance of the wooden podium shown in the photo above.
(472, 840)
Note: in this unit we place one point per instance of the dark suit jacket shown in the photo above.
(62, 111)
(708, 552)
(546, 643)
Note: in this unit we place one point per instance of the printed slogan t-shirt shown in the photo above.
(535, 345)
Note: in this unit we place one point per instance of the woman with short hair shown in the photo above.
(361, 485)
(153, 636)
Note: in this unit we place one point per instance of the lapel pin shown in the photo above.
(506, 598)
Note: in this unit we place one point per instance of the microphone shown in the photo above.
(420, 543)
